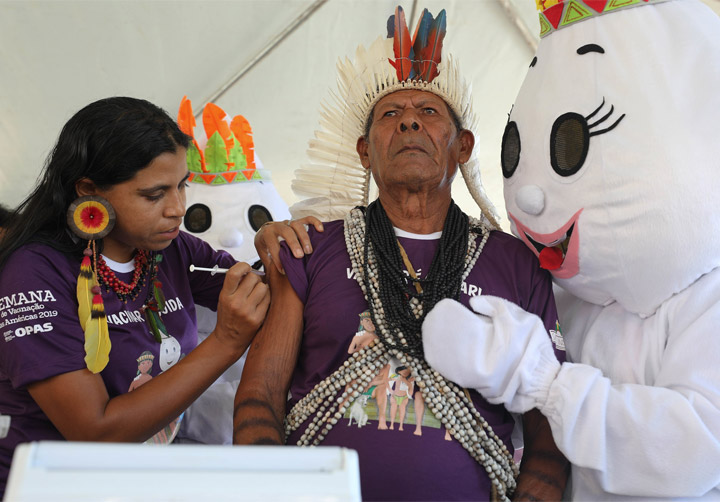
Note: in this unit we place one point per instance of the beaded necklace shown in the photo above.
(124, 291)
(329, 399)
(146, 265)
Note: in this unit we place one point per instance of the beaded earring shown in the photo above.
(92, 217)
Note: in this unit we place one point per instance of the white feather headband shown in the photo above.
(335, 181)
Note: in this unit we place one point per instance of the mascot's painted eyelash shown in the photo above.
(570, 139)
(603, 119)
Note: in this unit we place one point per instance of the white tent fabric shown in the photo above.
(272, 61)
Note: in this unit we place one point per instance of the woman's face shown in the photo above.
(145, 366)
(367, 324)
(148, 208)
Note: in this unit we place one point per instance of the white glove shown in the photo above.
(504, 353)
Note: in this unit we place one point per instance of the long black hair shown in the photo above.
(108, 142)
(6, 216)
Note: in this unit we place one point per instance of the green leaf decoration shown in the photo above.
(237, 155)
(193, 159)
(215, 154)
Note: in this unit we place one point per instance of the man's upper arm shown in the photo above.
(262, 394)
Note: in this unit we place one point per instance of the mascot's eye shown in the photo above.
(510, 154)
(570, 139)
(198, 218)
(569, 143)
(258, 215)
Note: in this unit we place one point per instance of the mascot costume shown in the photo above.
(229, 197)
(611, 160)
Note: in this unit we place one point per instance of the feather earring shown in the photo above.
(92, 217)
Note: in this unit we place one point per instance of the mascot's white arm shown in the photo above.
(661, 440)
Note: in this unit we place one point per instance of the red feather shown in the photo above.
(431, 53)
(402, 46)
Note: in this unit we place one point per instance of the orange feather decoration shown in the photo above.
(186, 119)
(186, 122)
(243, 132)
(214, 121)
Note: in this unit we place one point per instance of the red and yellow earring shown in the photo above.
(92, 217)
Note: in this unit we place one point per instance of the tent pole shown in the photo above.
(413, 14)
(294, 24)
(512, 14)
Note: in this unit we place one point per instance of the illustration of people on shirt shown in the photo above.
(398, 389)
(170, 354)
(365, 334)
(379, 389)
(402, 392)
(145, 364)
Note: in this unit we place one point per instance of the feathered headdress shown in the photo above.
(229, 154)
(335, 181)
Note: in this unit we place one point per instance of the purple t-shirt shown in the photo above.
(41, 336)
(414, 458)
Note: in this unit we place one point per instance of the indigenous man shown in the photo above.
(396, 258)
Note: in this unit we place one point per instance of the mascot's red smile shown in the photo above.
(558, 250)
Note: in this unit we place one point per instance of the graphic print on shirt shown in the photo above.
(557, 337)
(170, 354)
(31, 308)
(135, 316)
(145, 364)
(387, 398)
(465, 287)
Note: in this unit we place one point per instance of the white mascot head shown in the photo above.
(230, 194)
(611, 154)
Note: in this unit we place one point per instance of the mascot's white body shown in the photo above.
(227, 217)
(612, 156)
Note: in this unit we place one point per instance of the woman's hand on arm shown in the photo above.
(78, 403)
(294, 232)
(262, 394)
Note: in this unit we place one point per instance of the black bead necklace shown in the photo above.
(443, 279)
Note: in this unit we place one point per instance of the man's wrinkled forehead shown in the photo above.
(418, 98)
(394, 99)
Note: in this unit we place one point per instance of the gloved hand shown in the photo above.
(502, 351)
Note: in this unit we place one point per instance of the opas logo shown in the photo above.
(34, 328)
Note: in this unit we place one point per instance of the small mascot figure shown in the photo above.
(230, 196)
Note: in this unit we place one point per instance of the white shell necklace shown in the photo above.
(450, 404)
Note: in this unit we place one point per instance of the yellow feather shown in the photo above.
(85, 282)
(97, 339)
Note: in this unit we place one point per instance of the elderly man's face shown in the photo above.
(413, 142)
